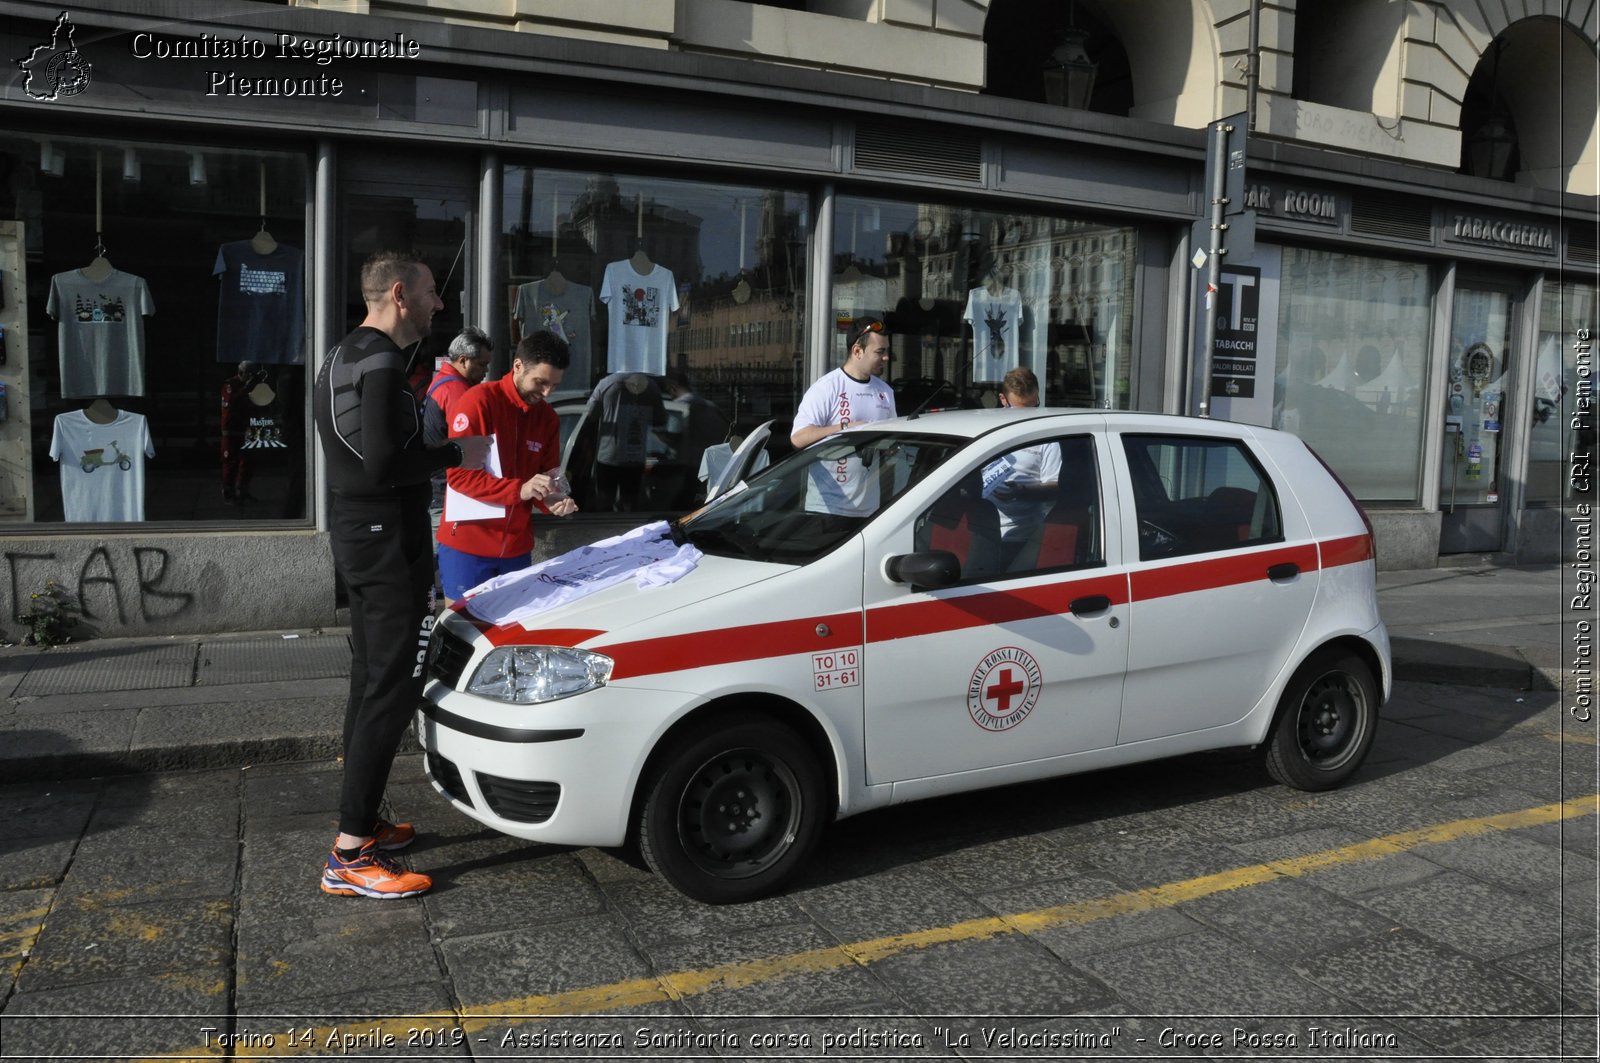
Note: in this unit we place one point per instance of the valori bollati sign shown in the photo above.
(1498, 232)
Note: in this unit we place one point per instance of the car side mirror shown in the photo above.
(929, 568)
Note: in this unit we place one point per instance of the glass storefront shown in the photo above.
(1562, 410)
(160, 375)
(970, 294)
(683, 303)
(1352, 355)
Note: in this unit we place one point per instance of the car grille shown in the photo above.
(448, 654)
(515, 799)
(448, 776)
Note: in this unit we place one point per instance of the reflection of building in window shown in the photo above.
(1074, 280)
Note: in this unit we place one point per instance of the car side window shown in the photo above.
(1035, 508)
(1194, 496)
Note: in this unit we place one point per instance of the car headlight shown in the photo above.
(531, 674)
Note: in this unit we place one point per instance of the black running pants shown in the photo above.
(383, 550)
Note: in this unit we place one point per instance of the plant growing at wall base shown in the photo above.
(51, 616)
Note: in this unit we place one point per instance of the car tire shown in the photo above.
(1326, 722)
(733, 810)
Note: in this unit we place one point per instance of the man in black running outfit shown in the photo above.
(379, 472)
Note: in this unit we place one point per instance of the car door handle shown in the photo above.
(1093, 603)
(1283, 570)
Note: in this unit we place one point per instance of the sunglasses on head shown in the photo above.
(871, 326)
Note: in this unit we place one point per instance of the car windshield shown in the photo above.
(816, 498)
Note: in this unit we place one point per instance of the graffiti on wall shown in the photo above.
(106, 586)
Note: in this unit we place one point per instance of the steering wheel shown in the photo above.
(1154, 540)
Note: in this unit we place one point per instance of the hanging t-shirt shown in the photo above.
(569, 315)
(996, 320)
(261, 313)
(647, 555)
(101, 332)
(102, 465)
(638, 308)
(628, 406)
(265, 426)
(843, 487)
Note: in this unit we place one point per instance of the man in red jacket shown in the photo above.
(487, 528)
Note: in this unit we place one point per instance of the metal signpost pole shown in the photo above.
(1219, 202)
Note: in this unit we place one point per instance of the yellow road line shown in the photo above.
(676, 985)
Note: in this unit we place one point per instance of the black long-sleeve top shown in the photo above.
(371, 424)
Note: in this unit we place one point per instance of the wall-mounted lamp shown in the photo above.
(1489, 148)
(132, 170)
(1069, 72)
(51, 161)
(197, 168)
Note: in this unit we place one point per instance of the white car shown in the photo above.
(1017, 594)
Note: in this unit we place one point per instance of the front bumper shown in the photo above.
(562, 773)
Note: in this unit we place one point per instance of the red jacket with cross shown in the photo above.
(527, 440)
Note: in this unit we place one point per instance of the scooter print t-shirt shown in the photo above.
(102, 465)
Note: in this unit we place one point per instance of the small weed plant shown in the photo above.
(52, 614)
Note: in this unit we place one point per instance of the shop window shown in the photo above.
(156, 348)
(1561, 436)
(1352, 350)
(970, 294)
(654, 281)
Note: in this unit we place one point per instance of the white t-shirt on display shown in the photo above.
(102, 465)
(638, 309)
(101, 332)
(996, 320)
(843, 487)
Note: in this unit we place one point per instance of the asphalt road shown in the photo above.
(1443, 904)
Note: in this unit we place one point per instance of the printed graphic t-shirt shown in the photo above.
(638, 308)
(843, 487)
(100, 332)
(102, 465)
(569, 315)
(996, 321)
(261, 304)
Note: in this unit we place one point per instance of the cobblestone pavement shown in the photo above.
(1443, 904)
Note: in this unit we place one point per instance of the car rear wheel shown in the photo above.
(1325, 724)
(733, 811)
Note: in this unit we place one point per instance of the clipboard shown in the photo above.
(458, 506)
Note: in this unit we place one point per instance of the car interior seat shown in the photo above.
(1070, 532)
(967, 525)
(1229, 514)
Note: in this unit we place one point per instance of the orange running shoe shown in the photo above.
(371, 874)
(392, 836)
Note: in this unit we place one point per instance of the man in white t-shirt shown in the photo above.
(1022, 484)
(855, 393)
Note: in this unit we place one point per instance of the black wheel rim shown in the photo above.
(1332, 719)
(739, 813)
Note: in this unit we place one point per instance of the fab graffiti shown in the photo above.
(133, 583)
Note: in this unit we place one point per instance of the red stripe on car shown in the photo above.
(754, 642)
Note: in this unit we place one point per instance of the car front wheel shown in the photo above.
(733, 811)
(1325, 723)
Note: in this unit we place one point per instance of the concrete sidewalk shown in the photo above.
(113, 706)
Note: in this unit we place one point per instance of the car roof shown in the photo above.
(970, 424)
